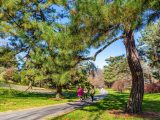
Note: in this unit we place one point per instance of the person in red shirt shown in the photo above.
(80, 92)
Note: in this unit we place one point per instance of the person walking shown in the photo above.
(80, 92)
(92, 92)
(103, 91)
(85, 91)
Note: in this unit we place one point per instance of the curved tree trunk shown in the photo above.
(29, 86)
(58, 91)
(134, 104)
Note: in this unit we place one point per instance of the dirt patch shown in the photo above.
(120, 113)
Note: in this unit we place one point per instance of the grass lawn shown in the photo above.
(111, 109)
(22, 100)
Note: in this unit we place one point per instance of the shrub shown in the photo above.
(16, 77)
(119, 85)
(8, 75)
(152, 88)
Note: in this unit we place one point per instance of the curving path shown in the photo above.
(48, 111)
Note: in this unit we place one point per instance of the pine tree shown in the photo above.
(8, 63)
(116, 69)
(7, 57)
(50, 52)
(150, 47)
(101, 23)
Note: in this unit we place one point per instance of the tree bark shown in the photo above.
(29, 86)
(134, 104)
(58, 91)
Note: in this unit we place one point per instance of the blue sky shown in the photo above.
(115, 49)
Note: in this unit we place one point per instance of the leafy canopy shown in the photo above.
(116, 69)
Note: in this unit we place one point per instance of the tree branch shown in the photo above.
(42, 15)
(14, 21)
(106, 32)
(100, 50)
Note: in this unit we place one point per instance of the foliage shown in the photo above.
(152, 88)
(7, 63)
(116, 69)
(7, 57)
(9, 74)
(81, 73)
(98, 79)
(12, 75)
(50, 52)
(150, 47)
(121, 85)
(2, 71)
(16, 77)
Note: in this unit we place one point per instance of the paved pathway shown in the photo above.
(44, 112)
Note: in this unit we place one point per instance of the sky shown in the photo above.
(115, 49)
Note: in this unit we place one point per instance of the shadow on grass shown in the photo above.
(110, 102)
(118, 101)
(19, 94)
(70, 94)
(151, 102)
(95, 110)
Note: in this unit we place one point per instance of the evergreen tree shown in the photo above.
(8, 64)
(150, 47)
(33, 28)
(117, 69)
(7, 57)
(101, 23)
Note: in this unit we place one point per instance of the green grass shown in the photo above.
(114, 101)
(23, 100)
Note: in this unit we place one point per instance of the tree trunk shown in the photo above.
(150, 78)
(29, 86)
(40, 83)
(58, 91)
(134, 104)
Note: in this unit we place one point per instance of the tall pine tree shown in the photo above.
(101, 23)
